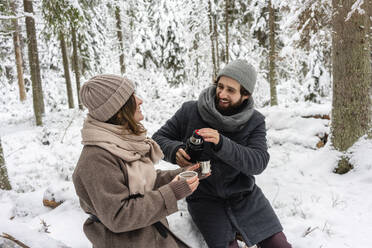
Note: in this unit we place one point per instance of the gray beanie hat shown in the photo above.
(242, 72)
(105, 94)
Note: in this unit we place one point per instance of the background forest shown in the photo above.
(314, 86)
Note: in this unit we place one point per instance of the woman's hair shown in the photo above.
(125, 117)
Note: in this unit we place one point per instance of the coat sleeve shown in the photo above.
(169, 136)
(108, 195)
(166, 176)
(250, 159)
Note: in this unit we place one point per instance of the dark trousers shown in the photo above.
(278, 240)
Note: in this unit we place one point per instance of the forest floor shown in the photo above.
(317, 208)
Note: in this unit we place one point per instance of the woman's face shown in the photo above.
(138, 116)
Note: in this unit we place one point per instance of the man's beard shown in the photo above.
(231, 109)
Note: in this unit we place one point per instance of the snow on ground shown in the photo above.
(316, 207)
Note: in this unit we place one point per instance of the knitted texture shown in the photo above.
(105, 94)
(180, 189)
(242, 72)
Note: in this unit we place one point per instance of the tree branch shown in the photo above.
(2, 17)
(7, 236)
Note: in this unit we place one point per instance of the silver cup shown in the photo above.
(188, 174)
(205, 167)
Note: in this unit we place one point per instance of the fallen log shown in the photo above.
(318, 116)
(51, 203)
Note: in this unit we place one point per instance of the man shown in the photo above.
(228, 202)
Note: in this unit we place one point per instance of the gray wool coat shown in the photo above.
(101, 182)
(228, 201)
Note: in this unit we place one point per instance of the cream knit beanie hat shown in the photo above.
(105, 94)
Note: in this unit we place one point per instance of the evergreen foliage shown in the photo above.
(172, 39)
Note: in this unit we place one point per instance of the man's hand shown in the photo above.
(210, 135)
(182, 158)
(194, 167)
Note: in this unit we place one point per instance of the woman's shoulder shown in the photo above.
(95, 156)
(94, 151)
(97, 165)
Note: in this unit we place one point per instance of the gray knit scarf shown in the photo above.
(209, 113)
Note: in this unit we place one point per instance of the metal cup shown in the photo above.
(205, 167)
(188, 174)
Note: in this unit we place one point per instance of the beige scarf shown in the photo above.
(139, 152)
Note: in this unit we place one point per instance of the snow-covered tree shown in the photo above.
(4, 180)
(351, 106)
(33, 57)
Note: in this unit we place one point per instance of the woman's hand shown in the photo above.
(196, 167)
(192, 182)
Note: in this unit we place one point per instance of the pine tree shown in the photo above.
(227, 6)
(66, 69)
(162, 46)
(33, 57)
(75, 60)
(314, 27)
(4, 180)
(212, 37)
(272, 55)
(55, 13)
(119, 33)
(351, 106)
(18, 52)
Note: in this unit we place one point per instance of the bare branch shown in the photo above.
(309, 230)
(2, 17)
(8, 236)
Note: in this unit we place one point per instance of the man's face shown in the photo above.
(228, 97)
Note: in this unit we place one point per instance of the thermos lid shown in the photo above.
(196, 139)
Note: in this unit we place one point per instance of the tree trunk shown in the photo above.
(369, 6)
(120, 38)
(18, 54)
(369, 14)
(216, 40)
(66, 69)
(197, 68)
(76, 63)
(227, 5)
(211, 34)
(33, 57)
(4, 180)
(351, 71)
(272, 56)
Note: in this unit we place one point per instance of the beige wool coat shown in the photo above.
(101, 182)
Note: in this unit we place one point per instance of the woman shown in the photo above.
(126, 199)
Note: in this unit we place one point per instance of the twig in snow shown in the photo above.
(309, 230)
(22, 147)
(7, 236)
(69, 124)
